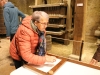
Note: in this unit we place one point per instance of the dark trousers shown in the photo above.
(18, 63)
(11, 37)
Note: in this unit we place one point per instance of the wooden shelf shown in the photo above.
(56, 25)
(48, 5)
(60, 18)
(55, 33)
(57, 16)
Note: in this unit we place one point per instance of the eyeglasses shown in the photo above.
(43, 23)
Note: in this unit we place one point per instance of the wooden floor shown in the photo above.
(57, 49)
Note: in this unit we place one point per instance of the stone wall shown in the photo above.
(93, 16)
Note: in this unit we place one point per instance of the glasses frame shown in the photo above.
(43, 23)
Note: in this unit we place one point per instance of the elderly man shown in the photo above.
(29, 43)
(11, 18)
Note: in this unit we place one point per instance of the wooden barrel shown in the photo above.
(2, 26)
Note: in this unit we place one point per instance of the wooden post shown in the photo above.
(78, 26)
(36, 2)
(68, 21)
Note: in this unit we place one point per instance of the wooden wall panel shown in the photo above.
(2, 26)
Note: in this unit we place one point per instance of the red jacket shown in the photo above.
(26, 42)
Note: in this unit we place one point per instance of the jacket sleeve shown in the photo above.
(6, 21)
(21, 14)
(26, 51)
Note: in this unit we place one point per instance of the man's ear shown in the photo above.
(35, 22)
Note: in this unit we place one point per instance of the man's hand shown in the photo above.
(50, 58)
(8, 37)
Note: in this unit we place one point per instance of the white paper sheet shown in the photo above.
(47, 66)
(25, 71)
(70, 68)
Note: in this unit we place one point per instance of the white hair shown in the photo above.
(37, 15)
(6, 0)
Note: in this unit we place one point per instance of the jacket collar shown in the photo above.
(34, 27)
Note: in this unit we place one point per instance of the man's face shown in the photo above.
(42, 24)
(2, 2)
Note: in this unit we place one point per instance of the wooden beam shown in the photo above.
(36, 2)
(78, 26)
(68, 20)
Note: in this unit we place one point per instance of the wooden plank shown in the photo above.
(56, 25)
(57, 16)
(35, 69)
(55, 33)
(57, 66)
(68, 21)
(36, 2)
(78, 27)
(48, 5)
(84, 64)
(63, 10)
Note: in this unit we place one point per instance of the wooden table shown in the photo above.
(62, 66)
